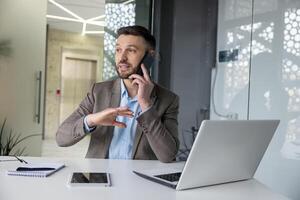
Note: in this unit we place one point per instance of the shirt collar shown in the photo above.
(124, 92)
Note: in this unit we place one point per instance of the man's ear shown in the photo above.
(151, 52)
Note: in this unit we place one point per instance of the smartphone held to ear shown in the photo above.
(148, 61)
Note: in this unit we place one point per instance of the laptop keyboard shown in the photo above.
(170, 177)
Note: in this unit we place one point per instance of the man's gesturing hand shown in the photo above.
(108, 116)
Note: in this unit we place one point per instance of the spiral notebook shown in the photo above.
(36, 170)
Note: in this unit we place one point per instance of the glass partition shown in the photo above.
(22, 67)
(257, 76)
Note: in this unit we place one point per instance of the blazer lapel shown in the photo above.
(139, 131)
(115, 94)
(114, 101)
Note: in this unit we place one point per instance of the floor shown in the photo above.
(50, 149)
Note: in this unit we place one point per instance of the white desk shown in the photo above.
(125, 184)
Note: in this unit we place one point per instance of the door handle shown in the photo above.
(38, 97)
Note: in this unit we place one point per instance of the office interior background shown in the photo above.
(226, 59)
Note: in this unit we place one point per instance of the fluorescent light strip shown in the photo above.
(65, 9)
(96, 18)
(63, 18)
(94, 32)
(128, 2)
(98, 23)
(79, 19)
(83, 29)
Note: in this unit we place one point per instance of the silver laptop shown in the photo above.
(223, 151)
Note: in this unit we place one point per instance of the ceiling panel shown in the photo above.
(85, 9)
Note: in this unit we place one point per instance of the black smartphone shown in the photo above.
(148, 61)
(90, 178)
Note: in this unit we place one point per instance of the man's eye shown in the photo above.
(132, 50)
(118, 50)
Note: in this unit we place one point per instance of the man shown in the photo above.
(130, 117)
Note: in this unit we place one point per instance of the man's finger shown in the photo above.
(136, 76)
(137, 81)
(122, 108)
(124, 111)
(119, 124)
(126, 114)
(145, 72)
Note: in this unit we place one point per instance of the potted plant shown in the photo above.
(9, 141)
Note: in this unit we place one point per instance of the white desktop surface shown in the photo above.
(125, 184)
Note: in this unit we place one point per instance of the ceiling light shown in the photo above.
(96, 18)
(94, 32)
(83, 29)
(63, 18)
(98, 23)
(128, 2)
(78, 19)
(65, 9)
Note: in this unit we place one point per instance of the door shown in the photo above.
(23, 28)
(78, 75)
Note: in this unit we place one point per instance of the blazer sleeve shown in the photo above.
(71, 130)
(162, 132)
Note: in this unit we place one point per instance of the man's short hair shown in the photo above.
(138, 31)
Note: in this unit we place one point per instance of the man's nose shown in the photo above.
(123, 56)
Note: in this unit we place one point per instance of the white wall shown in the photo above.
(270, 88)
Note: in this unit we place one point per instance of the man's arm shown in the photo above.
(162, 132)
(72, 129)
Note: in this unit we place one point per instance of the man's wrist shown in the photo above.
(89, 120)
(143, 111)
(145, 106)
(88, 128)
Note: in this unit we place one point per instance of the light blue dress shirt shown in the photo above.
(123, 138)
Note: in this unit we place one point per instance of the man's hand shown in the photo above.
(145, 87)
(108, 116)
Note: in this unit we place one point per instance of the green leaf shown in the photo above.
(12, 141)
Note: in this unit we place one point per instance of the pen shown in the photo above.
(21, 160)
(35, 169)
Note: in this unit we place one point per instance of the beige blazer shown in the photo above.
(157, 130)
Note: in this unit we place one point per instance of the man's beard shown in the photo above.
(127, 75)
